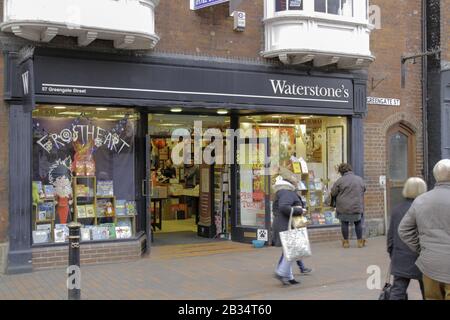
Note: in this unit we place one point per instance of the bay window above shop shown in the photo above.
(319, 32)
(130, 24)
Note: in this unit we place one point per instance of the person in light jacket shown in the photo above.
(347, 194)
(426, 230)
(286, 172)
(403, 260)
(286, 202)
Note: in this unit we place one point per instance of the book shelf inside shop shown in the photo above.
(314, 194)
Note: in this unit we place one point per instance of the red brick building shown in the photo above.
(382, 138)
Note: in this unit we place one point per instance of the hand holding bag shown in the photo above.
(295, 242)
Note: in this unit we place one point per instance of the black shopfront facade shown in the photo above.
(153, 85)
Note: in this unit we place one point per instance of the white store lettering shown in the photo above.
(100, 136)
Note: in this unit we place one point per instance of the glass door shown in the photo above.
(147, 190)
(252, 219)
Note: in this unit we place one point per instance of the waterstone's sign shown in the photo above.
(199, 4)
(220, 85)
(293, 89)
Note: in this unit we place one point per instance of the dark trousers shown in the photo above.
(400, 287)
(358, 229)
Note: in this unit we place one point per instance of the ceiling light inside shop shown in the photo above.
(176, 110)
(59, 107)
(101, 109)
(276, 116)
(276, 125)
(169, 124)
(70, 113)
(222, 111)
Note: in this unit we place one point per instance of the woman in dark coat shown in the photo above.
(286, 201)
(403, 259)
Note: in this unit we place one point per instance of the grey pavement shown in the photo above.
(241, 274)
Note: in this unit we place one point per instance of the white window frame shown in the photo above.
(340, 6)
(287, 6)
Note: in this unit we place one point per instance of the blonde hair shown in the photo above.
(441, 171)
(414, 187)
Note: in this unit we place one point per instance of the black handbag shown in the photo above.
(386, 291)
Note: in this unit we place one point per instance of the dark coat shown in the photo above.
(285, 200)
(403, 259)
(348, 192)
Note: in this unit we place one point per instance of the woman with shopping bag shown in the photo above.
(287, 205)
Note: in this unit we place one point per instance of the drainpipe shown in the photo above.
(425, 90)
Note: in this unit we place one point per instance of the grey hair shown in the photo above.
(414, 187)
(441, 171)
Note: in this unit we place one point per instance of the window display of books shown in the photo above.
(90, 212)
(121, 207)
(46, 211)
(105, 188)
(123, 232)
(314, 200)
(42, 234)
(104, 208)
(61, 233)
(84, 191)
(81, 211)
(40, 189)
(126, 222)
(100, 233)
(111, 229)
(85, 233)
(329, 217)
(131, 208)
(49, 191)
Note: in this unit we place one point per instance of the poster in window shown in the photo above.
(313, 139)
(335, 151)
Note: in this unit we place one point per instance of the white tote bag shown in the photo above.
(295, 243)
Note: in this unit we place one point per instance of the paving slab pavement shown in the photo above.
(338, 274)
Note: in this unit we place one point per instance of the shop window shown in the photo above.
(311, 147)
(83, 171)
(337, 7)
(282, 5)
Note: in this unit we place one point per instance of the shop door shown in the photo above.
(153, 196)
(252, 212)
(401, 162)
(147, 191)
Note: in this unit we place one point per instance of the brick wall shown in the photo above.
(209, 31)
(400, 34)
(91, 253)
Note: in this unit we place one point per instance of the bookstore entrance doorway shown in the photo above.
(187, 200)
